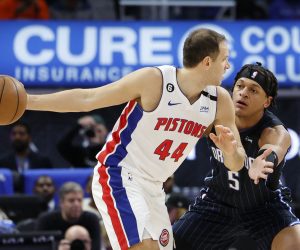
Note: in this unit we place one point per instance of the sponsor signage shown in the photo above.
(55, 54)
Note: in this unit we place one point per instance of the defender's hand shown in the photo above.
(260, 168)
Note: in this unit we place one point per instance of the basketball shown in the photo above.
(13, 100)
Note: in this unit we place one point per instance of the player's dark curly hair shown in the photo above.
(270, 83)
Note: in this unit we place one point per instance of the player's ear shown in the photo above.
(268, 102)
(206, 62)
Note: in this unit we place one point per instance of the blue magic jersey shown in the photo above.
(154, 144)
(236, 189)
(231, 205)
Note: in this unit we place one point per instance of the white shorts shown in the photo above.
(132, 208)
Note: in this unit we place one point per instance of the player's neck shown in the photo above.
(245, 122)
(191, 83)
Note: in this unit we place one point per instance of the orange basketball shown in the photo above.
(13, 100)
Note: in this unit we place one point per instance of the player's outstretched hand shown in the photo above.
(260, 168)
(224, 139)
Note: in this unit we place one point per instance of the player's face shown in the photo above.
(220, 64)
(249, 98)
(71, 206)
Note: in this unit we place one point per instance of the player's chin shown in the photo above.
(239, 109)
(220, 81)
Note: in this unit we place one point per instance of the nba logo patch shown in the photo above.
(164, 237)
(254, 74)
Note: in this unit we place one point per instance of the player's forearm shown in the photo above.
(279, 150)
(75, 100)
(235, 162)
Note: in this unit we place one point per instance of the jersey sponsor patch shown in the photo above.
(204, 109)
(170, 87)
(164, 237)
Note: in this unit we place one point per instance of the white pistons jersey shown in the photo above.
(154, 144)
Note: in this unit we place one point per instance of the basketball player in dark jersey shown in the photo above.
(231, 202)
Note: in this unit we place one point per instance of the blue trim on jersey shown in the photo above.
(125, 138)
(123, 205)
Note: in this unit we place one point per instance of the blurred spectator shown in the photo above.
(168, 185)
(6, 225)
(76, 237)
(70, 214)
(22, 157)
(89, 205)
(71, 9)
(284, 9)
(177, 205)
(91, 132)
(85, 9)
(105, 10)
(45, 188)
(250, 10)
(88, 202)
(24, 9)
(3, 215)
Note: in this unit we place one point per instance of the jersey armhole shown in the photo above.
(161, 94)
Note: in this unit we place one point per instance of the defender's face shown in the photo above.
(249, 98)
(220, 64)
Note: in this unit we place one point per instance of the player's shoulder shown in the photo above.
(272, 124)
(222, 91)
(271, 120)
(223, 95)
(152, 76)
(141, 79)
(152, 71)
(148, 81)
(225, 108)
(149, 75)
(270, 115)
(277, 131)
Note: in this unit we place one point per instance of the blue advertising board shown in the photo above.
(73, 53)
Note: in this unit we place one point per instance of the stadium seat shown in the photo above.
(59, 176)
(6, 182)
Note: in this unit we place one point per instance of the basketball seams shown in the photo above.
(13, 100)
(2, 90)
(18, 102)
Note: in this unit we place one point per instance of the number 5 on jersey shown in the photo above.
(233, 179)
(163, 150)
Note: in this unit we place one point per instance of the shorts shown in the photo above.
(212, 225)
(132, 208)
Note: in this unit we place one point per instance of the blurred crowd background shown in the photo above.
(47, 159)
(149, 10)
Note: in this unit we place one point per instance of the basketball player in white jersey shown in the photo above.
(168, 110)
